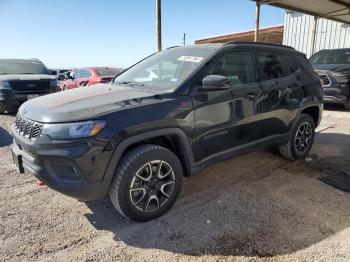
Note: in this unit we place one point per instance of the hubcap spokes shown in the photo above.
(152, 185)
(303, 138)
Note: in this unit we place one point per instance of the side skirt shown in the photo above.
(239, 150)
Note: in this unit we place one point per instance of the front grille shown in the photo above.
(326, 81)
(30, 87)
(28, 128)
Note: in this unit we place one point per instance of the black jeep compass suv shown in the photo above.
(168, 116)
(21, 80)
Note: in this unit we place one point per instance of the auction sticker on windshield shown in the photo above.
(193, 59)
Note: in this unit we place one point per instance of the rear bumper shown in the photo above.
(69, 168)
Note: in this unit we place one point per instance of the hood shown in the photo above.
(84, 103)
(26, 77)
(331, 67)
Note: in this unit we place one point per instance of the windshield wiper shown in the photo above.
(130, 83)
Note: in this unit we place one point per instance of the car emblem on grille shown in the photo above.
(31, 85)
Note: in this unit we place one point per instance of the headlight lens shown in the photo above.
(53, 83)
(73, 130)
(4, 85)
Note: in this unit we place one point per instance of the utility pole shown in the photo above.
(184, 40)
(257, 21)
(159, 24)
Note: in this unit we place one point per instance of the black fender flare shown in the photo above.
(313, 102)
(183, 145)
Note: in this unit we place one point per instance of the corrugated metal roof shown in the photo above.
(337, 10)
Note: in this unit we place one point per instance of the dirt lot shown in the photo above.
(254, 207)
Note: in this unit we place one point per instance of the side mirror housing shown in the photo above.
(215, 83)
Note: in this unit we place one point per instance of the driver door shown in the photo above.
(230, 118)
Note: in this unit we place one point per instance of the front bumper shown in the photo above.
(12, 99)
(74, 168)
(336, 89)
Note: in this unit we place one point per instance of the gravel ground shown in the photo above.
(256, 207)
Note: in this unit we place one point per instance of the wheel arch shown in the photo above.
(173, 139)
(314, 111)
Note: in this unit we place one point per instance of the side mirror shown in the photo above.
(215, 83)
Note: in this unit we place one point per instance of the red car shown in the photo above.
(90, 76)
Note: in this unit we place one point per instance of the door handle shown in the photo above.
(252, 96)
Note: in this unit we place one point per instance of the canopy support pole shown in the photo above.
(257, 21)
(159, 24)
(313, 35)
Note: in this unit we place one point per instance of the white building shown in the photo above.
(298, 30)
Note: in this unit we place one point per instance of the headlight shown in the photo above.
(53, 83)
(73, 130)
(4, 85)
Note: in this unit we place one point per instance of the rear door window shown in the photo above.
(85, 74)
(272, 66)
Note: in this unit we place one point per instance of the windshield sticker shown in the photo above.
(193, 59)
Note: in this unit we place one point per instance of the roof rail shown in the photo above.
(259, 43)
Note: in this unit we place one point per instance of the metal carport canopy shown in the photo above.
(337, 10)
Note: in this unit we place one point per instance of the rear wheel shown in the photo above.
(300, 140)
(347, 104)
(147, 182)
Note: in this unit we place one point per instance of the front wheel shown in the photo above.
(147, 182)
(300, 140)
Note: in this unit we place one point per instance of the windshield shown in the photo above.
(331, 57)
(107, 71)
(166, 70)
(12, 66)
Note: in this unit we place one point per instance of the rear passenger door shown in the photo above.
(278, 81)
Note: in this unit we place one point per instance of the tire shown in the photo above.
(347, 104)
(61, 78)
(138, 191)
(2, 109)
(299, 143)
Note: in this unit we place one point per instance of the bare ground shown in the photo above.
(256, 207)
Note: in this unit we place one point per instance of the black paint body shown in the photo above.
(201, 127)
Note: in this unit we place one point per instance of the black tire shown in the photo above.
(292, 149)
(140, 199)
(2, 110)
(61, 78)
(347, 105)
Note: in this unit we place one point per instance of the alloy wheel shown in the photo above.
(152, 186)
(303, 138)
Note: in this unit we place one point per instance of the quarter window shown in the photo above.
(238, 67)
(271, 66)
